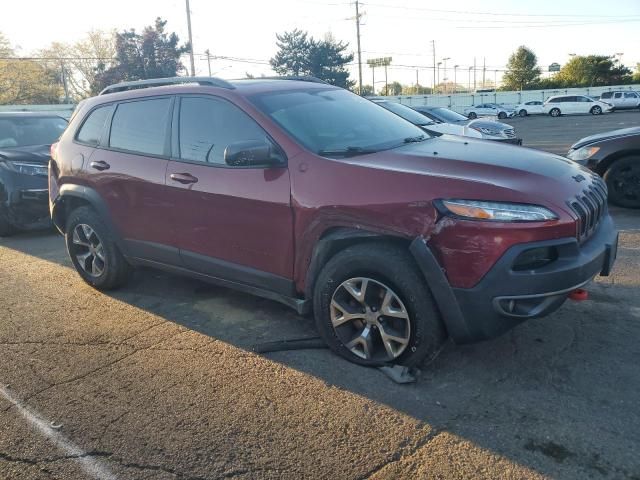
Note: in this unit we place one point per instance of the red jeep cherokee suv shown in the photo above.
(315, 197)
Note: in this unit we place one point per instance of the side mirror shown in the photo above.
(251, 153)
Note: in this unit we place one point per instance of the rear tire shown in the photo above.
(596, 110)
(472, 115)
(502, 115)
(93, 250)
(555, 112)
(375, 272)
(623, 182)
(522, 113)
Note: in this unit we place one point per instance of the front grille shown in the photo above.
(510, 133)
(590, 206)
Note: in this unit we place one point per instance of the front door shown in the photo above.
(231, 222)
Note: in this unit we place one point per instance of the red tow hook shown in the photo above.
(579, 294)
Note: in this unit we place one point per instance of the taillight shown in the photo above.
(54, 151)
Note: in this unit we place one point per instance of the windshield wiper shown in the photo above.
(419, 138)
(347, 151)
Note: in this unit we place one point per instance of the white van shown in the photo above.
(575, 104)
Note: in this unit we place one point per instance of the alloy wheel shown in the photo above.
(370, 319)
(626, 183)
(88, 250)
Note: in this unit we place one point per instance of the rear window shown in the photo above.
(93, 127)
(141, 126)
(606, 95)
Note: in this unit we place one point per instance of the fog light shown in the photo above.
(535, 258)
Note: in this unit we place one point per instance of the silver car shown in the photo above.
(489, 110)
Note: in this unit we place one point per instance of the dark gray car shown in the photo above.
(614, 155)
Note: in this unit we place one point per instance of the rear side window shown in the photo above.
(141, 126)
(606, 95)
(555, 100)
(630, 95)
(93, 127)
(208, 126)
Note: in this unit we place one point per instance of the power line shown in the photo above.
(467, 12)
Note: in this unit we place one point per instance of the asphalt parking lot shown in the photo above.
(556, 135)
(158, 380)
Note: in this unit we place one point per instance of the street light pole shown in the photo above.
(438, 66)
(359, 51)
(208, 60)
(469, 86)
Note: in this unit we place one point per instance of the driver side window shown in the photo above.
(208, 125)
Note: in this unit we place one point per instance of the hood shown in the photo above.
(33, 154)
(489, 124)
(623, 132)
(481, 169)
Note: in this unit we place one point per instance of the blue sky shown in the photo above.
(402, 29)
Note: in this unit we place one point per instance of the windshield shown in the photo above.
(407, 113)
(335, 120)
(447, 115)
(27, 131)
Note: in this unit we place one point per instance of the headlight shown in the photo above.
(486, 131)
(498, 211)
(27, 168)
(583, 153)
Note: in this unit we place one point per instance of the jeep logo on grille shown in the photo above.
(578, 178)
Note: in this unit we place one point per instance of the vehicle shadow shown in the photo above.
(556, 395)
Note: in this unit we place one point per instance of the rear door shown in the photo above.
(618, 100)
(231, 222)
(631, 100)
(129, 175)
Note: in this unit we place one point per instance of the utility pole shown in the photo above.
(495, 79)
(386, 83)
(484, 70)
(433, 45)
(373, 79)
(438, 66)
(208, 60)
(359, 51)
(469, 83)
(64, 82)
(193, 65)
(417, 81)
(474, 74)
(455, 78)
(444, 75)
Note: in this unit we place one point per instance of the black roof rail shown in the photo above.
(157, 82)
(300, 78)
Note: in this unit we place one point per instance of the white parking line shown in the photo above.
(91, 465)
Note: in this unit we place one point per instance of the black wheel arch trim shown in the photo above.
(442, 292)
(90, 196)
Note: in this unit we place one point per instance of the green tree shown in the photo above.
(299, 54)
(83, 61)
(593, 70)
(522, 70)
(636, 75)
(293, 56)
(367, 90)
(25, 82)
(416, 90)
(152, 54)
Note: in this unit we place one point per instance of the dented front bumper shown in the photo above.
(507, 296)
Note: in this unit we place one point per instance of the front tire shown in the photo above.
(93, 251)
(373, 307)
(522, 113)
(502, 115)
(555, 112)
(472, 115)
(6, 229)
(596, 110)
(623, 182)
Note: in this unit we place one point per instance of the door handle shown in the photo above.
(184, 178)
(100, 165)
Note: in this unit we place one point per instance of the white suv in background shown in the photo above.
(575, 104)
(622, 99)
